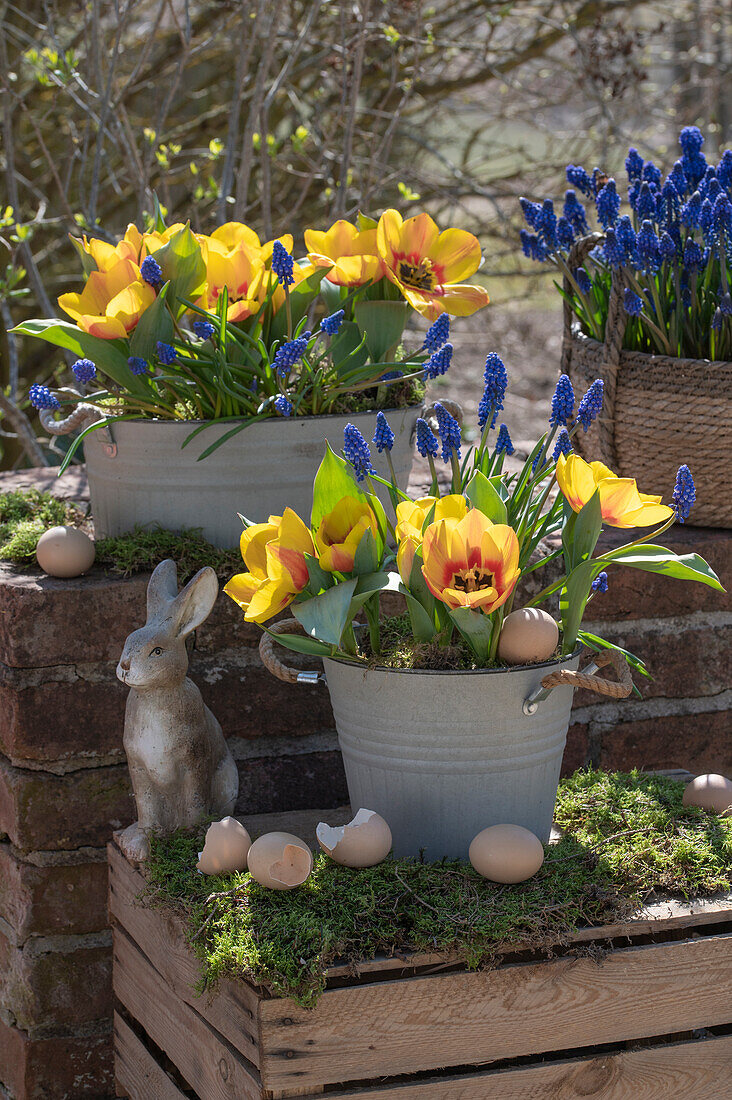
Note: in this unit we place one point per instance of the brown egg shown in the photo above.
(506, 853)
(280, 861)
(65, 552)
(225, 849)
(710, 792)
(528, 635)
(364, 842)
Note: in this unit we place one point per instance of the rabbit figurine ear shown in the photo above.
(195, 602)
(162, 588)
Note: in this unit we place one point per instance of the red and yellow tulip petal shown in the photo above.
(575, 479)
(253, 545)
(232, 234)
(106, 328)
(356, 270)
(405, 558)
(241, 588)
(648, 515)
(286, 240)
(458, 254)
(461, 300)
(270, 598)
(618, 497)
(239, 311)
(130, 304)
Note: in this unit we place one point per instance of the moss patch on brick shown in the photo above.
(24, 516)
(627, 837)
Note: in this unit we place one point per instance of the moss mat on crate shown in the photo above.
(626, 839)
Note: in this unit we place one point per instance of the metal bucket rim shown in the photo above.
(393, 410)
(461, 671)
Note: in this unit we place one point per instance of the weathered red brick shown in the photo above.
(697, 742)
(51, 812)
(53, 899)
(63, 982)
(58, 1068)
(577, 749)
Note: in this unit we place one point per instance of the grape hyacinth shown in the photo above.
(283, 405)
(608, 204)
(584, 282)
(532, 247)
(574, 212)
(600, 584)
(426, 440)
(565, 233)
(203, 329)
(138, 365)
(437, 334)
(634, 165)
(632, 302)
(614, 252)
(495, 378)
(693, 255)
(449, 430)
(562, 402)
(531, 211)
(648, 248)
(383, 436)
(503, 443)
(439, 362)
(591, 404)
(151, 272)
(563, 445)
(332, 325)
(41, 397)
(84, 370)
(166, 353)
(667, 248)
(578, 177)
(356, 451)
(645, 207)
(287, 354)
(282, 264)
(684, 494)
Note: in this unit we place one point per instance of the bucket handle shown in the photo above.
(278, 667)
(619, 689)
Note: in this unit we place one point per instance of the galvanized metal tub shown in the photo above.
(139, 471)
(442, 755)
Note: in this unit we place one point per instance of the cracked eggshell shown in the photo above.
(65, 552)
(225, 848)
(280, 861)
(363, 842)
(506, 853)
(710, 792)
(528, 635)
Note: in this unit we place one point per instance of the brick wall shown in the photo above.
(64, 784)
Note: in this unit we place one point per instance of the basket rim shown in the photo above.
(580, 337)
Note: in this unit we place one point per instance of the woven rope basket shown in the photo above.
(658, 412)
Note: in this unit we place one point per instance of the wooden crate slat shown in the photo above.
(204, 1058)
(425, 1023)
(136, 1070)
(233, 1008)
(692, 1071)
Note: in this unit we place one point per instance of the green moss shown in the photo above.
(626, 838)
(24, 516)
(400, 650)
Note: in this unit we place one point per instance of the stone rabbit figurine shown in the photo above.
(181, 768)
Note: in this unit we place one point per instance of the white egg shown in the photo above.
(225, 849)
(363, 842)
(506, 853)
(710, 792)
(528, 635)
(65, 552)
(280, 861)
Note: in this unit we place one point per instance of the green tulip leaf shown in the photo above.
(298, 644)
(423, 628)
(155, 324)
(366, 558)
(326, 616)
(110, 356)
(333, 481)
(484, 496)
(581, 531)
(382, 324)
(476, 628)
(183, 266)
(658, 559)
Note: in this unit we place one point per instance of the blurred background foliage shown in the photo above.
(289, 113)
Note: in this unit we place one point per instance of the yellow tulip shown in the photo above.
(620, 502)
(405, 556)
(112, 302)
(427, 265)
(470, 562)
(239, 269)
(134, 246)
(340, 532)
(274, 554)
(350, 254)
(411, 514)
(233, 234)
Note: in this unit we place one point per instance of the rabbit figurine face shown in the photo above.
(181, 767)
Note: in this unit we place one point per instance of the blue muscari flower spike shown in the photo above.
(426, 439)
(691, 139)
(646, 204)
(563, 445)
(84, 370)
(706, 223)
(632, 302)
(532, 247)
(439, 362)
(562, 402)
(691, 211)
(626, 237)
(531, 211)
(151, 271)
(651, 174)
(546, 225)
(579, 178)
(331, 325)
(667, 248)
(204, 329)
(41, 397)
(647, 248)
(633, 165)
(357, 452)
(287, 354)
(166, 353)
(383, 436)
(565, 233)
(282, 264)
(503, 443)
(684, 494)
(722, 215)
(495, 378)
(591, 404)
(600, 584)
(693, 255)
(677, 178)
(437, 334)
(608, 204)
(584, 282)
(574, 212)
(693, 160)
(613, 251)
(449, 430)
(714, 190)
(724, 169)
(668, 205)
(138, 365)
(283, 406)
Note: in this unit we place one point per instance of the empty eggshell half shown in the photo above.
(506, 853)
(710, 792)
(363, 842)
(225, 849)
(528, 635)
(280, 861)
(65, 552)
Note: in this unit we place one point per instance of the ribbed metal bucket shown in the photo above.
(143, 476)
(442, 755)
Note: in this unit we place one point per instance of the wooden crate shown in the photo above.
(648, 1020)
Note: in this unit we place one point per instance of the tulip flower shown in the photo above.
(405, 557)
(133, 246)
(340, 532)
(427, 265)
(111, 303)
(274, 554)
(470, 562)
(411, 514)
(350, 253)
(239, 270)
(233, 234)
(620, 502)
